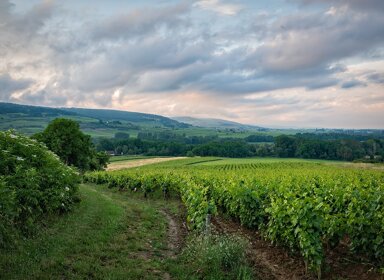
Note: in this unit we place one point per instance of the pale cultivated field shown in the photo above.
(136, 163)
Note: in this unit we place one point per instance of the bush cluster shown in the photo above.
(33, 183)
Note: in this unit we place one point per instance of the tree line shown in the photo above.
(283, 146)
(371, 150)
(64, 137)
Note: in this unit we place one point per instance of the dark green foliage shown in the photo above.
(347, 149)
(33, 182)
(99, 161)
(64, 138)
(121, 135)
(259, 138)
(285, 146)
(169, 144)
(360, 135)
(138, 146)
(223, 149)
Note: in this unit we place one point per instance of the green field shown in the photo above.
(121, 228)
(305, 205)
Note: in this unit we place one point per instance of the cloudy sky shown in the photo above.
(286, 63)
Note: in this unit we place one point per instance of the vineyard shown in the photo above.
(306, 207)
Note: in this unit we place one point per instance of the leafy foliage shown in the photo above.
(304, 206)
(33, 182)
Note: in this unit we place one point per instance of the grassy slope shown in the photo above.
(109, 236)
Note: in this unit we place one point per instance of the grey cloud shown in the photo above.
(353, 84)
(5, 9)
(178, 78)
(22, 43)
(322, 83)
(8, 85)
(28, 24)
(141, 21)
(231, 84)
(302, 50)
(36, 97)
(377, 78)
(303, 45)
(373, 5)
(125, 63)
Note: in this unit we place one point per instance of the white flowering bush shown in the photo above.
(33, 183)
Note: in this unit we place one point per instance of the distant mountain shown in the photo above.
(134, 117)
(216, 123)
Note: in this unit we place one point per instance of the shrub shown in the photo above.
(33, 183)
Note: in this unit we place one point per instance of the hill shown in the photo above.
(16, 110)
(134, 117)
(96, 122)
(217, 123)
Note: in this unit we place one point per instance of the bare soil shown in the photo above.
(175, 235)
(136, 163)
(177, 232)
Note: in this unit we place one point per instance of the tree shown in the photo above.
(285, 146)
(64, 138)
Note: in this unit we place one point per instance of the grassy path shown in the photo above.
(108, 236)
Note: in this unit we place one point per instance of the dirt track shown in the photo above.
(136, 163)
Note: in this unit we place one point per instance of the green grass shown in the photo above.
(108, 236)
(119, 235)
(217, 257)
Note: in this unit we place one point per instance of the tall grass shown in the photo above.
(214, 257)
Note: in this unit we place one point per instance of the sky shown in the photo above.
(275, 63)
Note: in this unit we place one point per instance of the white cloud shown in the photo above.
(219, 7)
